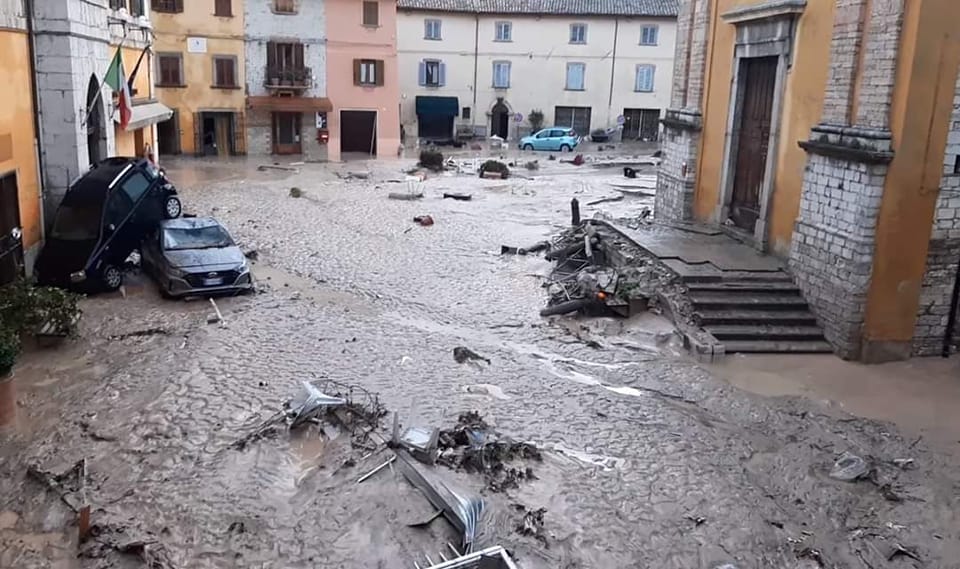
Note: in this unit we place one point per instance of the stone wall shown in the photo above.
(833, 244)
(677, 173)
(944, 253)
(12, 15)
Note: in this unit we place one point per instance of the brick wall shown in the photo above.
(678, 166)
(833, 244)
(681, 64)
(698, 55)
(844, 60)
(878, 72)
(944, 252)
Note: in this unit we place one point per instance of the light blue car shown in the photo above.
(562, 138)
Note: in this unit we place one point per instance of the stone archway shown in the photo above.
(95, 123)
(500, 119)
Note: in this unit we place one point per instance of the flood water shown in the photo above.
(651, 460)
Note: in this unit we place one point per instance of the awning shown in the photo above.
(146, 115)
(438, 106)
(290, 104)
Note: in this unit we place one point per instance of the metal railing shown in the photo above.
(280, 77)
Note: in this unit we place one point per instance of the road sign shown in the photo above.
(518, 117)
(621, 119)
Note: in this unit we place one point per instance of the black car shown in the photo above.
(103, 218)
(195, 256)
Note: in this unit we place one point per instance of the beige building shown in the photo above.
(481, 67)
(200, 75)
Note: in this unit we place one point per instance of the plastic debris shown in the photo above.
(899, 550)
(310, 402)
(458, 197)
(849, 467)
(490, 558)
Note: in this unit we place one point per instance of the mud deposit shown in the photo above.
(647, 459)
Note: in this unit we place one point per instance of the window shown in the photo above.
(368, 72)
(171, 69)
(432, 73)
(136, 8)
(431, 29)
(504, 31)
(285, 6)
(501, 74)
(285, 65)
(575, 76)
(649, 35)
(169, 6)
(118, 4)
(135, 186)
(578, 33)
(371, 13)
(223, 8)
(225, 71)
(465, 113)
(644, 82)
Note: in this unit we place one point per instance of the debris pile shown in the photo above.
(474, 447)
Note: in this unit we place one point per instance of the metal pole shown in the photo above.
(952, 318)
(574, 212)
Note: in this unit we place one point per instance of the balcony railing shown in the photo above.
(288, 78)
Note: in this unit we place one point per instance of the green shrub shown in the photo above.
(535, 118)
(495, 166)
(24, 307)
(431, 160)
(9, 349)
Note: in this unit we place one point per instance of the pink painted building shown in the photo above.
(362, 79)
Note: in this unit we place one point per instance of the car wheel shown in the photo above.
(527, 147)
(111, 277)
(172, 208)
(564, 148)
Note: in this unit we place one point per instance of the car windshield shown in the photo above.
(211, 237)
(76, 223)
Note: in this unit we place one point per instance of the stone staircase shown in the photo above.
(755, 312)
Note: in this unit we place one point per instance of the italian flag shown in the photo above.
(117, 81)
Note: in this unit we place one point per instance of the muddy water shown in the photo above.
(639, 438)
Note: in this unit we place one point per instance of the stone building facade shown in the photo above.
(285, 70)
(818, 131)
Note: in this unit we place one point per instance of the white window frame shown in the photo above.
(641, 88)
(500, 26)
(432, 22)
(650, 30)
(496, 65)
(583, 76)
(368, 72)
(583, 36)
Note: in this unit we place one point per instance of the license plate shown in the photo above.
(212, 282)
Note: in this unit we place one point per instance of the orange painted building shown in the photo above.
(362, 78)
(827, 132)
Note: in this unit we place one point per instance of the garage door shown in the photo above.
(358, 131)
(576, 117)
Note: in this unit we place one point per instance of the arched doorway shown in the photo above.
(95, 124)
(500, 119)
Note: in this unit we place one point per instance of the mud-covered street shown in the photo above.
(649, 459)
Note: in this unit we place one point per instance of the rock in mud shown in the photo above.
(463, 354)
(849, 468)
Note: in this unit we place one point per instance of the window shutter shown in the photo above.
(378, 66)
(271, 55)
(422, 74)
(443, 73)
(356, 71)
(298, 56)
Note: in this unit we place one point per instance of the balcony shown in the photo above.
(288, 78)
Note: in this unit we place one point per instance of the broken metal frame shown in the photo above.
(497, 555)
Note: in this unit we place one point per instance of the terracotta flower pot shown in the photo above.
(8, 400)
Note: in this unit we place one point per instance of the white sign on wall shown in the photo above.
(197, 45)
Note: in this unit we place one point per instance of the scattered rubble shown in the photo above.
(463, 354)
(296, 192)
(404, 196)
(849, 468)
(265, 167)
(532, 523)
(424, 220)
(458, 197)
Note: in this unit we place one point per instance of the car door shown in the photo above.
(150, 252)
(542, 140)
(115, 215)
(556, 139)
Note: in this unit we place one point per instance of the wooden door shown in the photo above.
(11, 249)
(286, 133)
(758, 80)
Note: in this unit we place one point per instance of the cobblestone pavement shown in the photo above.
(651, 462)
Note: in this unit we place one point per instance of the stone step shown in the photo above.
(739, 300)
(757, 317)
(776, 347)
(765, 332)
(740, 276)
(752, 287)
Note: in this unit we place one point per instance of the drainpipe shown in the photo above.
(476, 55)
(952, 318)
(613, 65)
(37, 120)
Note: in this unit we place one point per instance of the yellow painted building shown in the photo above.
(827, 132)
(135, 140)
(200, 75)
(20, 205)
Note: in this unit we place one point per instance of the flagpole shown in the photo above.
(102, 83)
